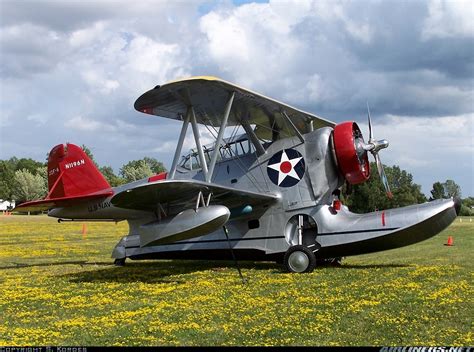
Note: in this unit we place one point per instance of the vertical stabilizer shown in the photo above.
(71, 173)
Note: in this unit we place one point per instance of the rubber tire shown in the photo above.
(305, 250)
(120, 262)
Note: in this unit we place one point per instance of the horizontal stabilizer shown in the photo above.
(45, 204)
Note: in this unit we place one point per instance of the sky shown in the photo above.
(70, 71)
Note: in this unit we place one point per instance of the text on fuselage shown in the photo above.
(74, 164)
(98, 206)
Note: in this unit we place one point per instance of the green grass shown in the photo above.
(60, 288)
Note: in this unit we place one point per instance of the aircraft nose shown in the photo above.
(457, 205)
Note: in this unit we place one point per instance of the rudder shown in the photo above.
(71, 173)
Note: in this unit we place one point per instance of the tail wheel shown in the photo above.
(120, 262)
(299, 259)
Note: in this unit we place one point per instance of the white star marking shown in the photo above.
(292, 173)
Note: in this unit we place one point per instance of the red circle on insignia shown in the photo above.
(285, 167)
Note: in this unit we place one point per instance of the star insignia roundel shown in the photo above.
(286, 168)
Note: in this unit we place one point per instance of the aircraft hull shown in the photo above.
(339, 234)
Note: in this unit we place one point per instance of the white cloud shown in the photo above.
(84, 124)
(429, 147)
(253, 42)
(449, 19)
(39, 119)
(4, 120)
(28, 48)
(98, 83)
(86, 36)
(336, 11)
(147, 56)
(421, 137)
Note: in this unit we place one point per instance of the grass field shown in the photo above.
(60, 288)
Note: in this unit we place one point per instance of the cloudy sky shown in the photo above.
(70, 71)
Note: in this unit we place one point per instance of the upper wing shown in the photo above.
(184, 192)
(209, 95)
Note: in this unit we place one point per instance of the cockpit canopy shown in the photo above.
(234, 147)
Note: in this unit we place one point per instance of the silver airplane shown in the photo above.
(266, 188)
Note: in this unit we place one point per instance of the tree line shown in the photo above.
(26, 179)
(370, 196)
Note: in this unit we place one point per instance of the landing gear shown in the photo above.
(336, 261)
(120, 262)
(299, 259)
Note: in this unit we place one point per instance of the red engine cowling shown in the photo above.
(351, 157)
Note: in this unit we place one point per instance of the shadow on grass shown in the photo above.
(56, 263)
(374, 266)
(164, 271)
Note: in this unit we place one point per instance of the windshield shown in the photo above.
(235, 148)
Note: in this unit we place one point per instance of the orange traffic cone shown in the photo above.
(84, 230)
(450, 241)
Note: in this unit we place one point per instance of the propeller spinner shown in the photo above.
(351, 153)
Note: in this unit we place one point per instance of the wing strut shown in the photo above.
(217, 147)
(253, 138)
(197, 138)
(179, 147)
(233, 255)
(298, 133)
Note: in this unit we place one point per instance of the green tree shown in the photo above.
(43, 172)
(110, 176)
(468, 202)
(438, 191)
(369, 196)
(7, 180)
(28, 164)
(136, 170)
(29, 186)
(155, 165)
(89, 154)
(452, 189)
(7, 173)
(446, 189)
(467, 207)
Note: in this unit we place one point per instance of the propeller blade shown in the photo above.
(371, 136)
(382, 175)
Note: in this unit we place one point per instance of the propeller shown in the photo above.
(374, 146)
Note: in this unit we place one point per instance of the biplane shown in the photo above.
(267, 186)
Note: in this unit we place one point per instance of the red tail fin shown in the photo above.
(72, 173)
(72, 178)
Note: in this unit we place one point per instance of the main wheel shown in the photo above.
(299, 259)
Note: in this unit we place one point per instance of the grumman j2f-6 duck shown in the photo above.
(268, 189)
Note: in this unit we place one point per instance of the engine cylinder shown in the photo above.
(351, 156)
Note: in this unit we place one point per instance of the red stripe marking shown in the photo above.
(161, 176)
(383, 218)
